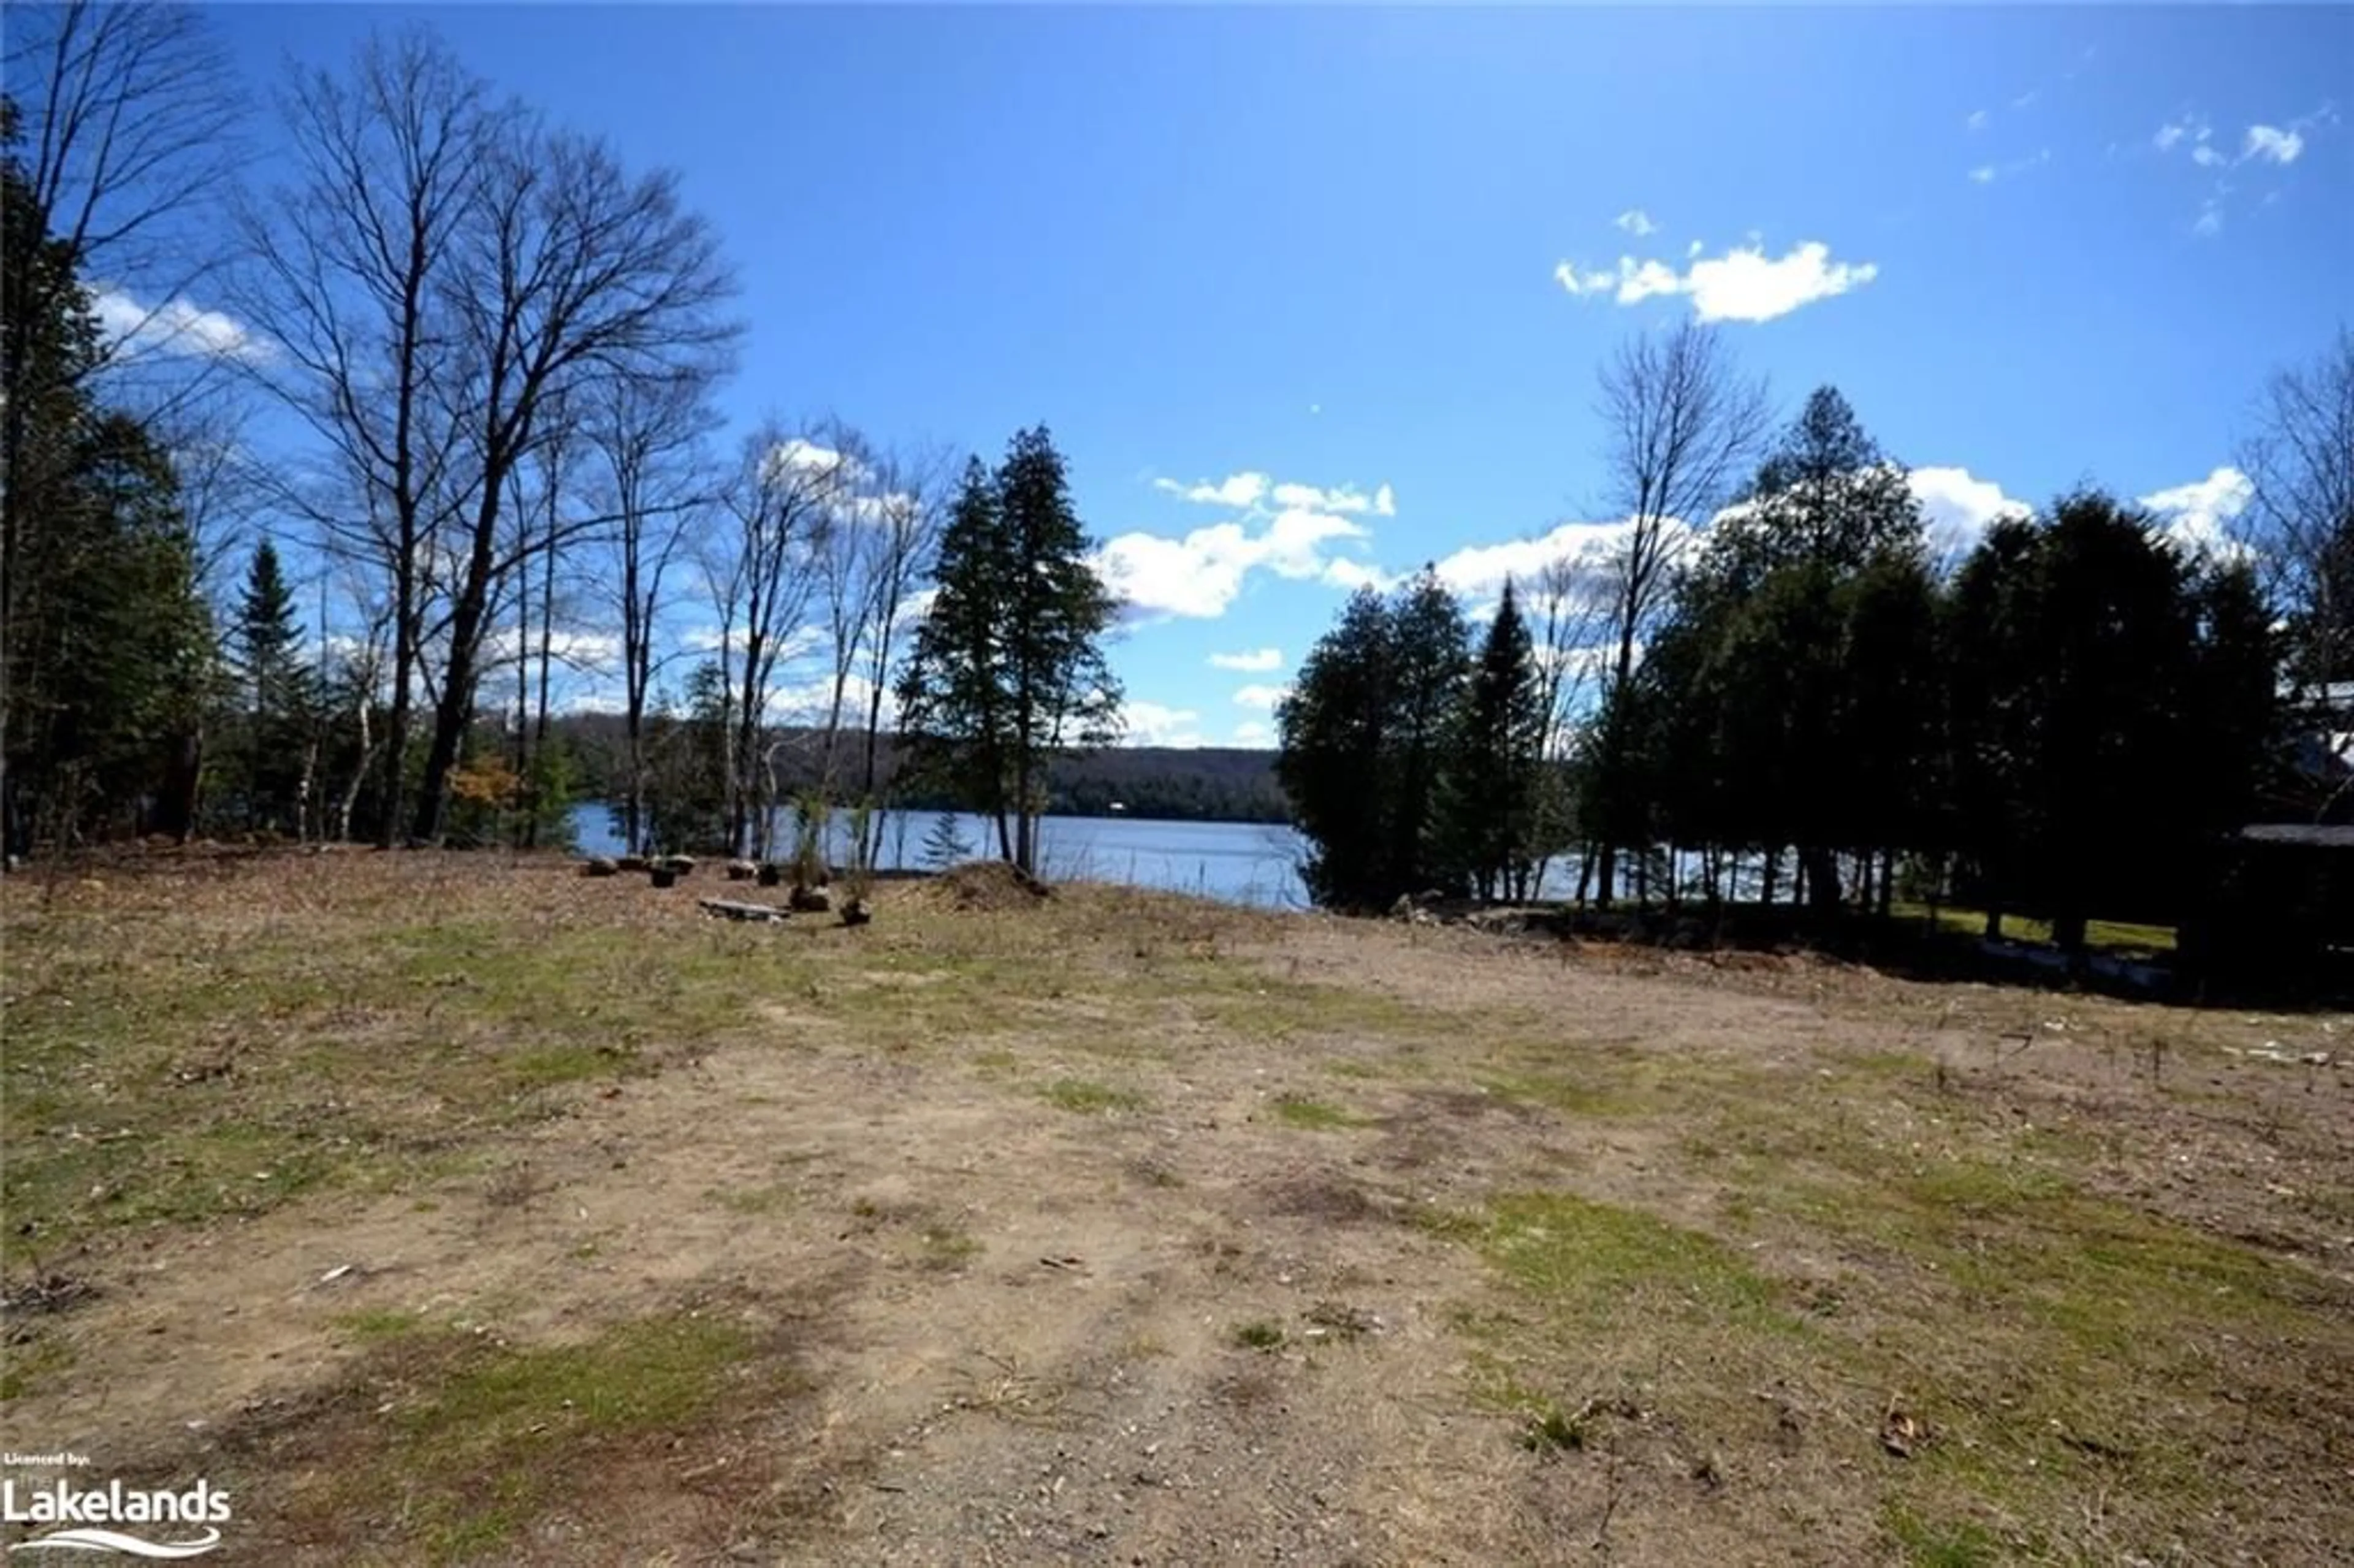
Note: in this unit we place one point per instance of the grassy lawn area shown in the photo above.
(462, 1210)
(2109, 936)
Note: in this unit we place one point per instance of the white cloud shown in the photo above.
(2175, 131)
(2211, 218)
(1743, 285)
(1157, 723)
(1257, 662)
(1251, 731)
(2206, 157)
(2197, 514)
(585, 649)
(1478, 571)
(1345, 572)
(1983, 174)
(807, 701)
(1637, 222)
(1977, 121)
(1958, 507)
(1260, 696)
(1244, 488)
(176, 326)
(1285, 528)
(1201, 574)
(2271, 142)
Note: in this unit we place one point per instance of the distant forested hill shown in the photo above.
(1219, 784)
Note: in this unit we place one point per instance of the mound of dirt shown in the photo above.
(987, 885)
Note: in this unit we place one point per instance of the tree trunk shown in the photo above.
(1822, 880)
(455, 711)
(176, 802)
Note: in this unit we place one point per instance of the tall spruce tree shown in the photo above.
(1333, 762)
(1493, 794)
(276, 701)
(1008, 671)
(1432, 650)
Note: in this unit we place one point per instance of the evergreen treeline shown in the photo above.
(2061, 726)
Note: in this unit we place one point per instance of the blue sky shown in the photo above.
(1377, 253)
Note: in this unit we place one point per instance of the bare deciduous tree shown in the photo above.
(346, 273)
(1570, 601)
(647, 435)
(129, 114)
(901, 547)
(762, 576)
(1682, 426)
(2299, 521)
(841, 559)
(574, 271)
(451, 277)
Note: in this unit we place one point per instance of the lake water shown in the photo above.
(1240, 862)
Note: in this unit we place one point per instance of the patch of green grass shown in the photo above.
(1561, 1092)
(1591, 1258)
(1260, 1334)
(1299, 1111)
(1343, 1067)
(1951, 1545)
(377, 1323)
(1090, 1098)
(995, 1062)
(569, 1064)
(2123, 936)
(496, 1438)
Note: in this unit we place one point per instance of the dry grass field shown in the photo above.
(454, 1209)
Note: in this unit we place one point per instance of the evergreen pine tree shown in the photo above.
(1334, 764)
(1492, 793)
(275, 696)
(1007, 671)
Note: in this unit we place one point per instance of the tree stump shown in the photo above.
(631, 863)
(810, 901)
(771, 874)
(600, 866)
(856, 913)
(742, 870)
(664, 875)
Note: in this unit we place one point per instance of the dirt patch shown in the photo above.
(987, 886)
(1109, 1227)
